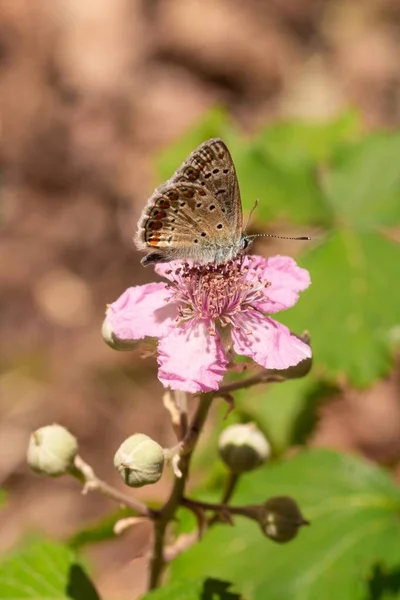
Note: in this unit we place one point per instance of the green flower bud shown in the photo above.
(139, 460)
(112, 341)
(52, 450)
(243, 447)
(280, 519)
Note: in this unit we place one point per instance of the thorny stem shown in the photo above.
(85, 474)
(175, 500)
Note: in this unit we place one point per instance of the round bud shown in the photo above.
(281, 519)
(114, 342)
(243, 447)
(139, 460)
(51, 450)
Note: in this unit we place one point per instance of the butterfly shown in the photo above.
(197, 214)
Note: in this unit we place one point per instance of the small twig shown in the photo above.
(216, 507)
(261, 377)
(230, 487)
(85, 474)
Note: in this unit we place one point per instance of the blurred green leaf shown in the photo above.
(101, 531)
(287, 193)
(288, 412)
(363, 184)
(354, 511)
(295, 141)
(208, 589)
(351, 306)
(45, 571)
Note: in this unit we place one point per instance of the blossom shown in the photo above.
(205, 309)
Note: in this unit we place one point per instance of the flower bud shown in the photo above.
(139, 460)
(280, 519)
(114, 342)
(243, 447)
(51, 450)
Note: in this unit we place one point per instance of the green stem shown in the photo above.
(168, 511)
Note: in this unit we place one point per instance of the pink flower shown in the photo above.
(191, 314)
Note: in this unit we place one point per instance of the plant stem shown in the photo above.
(85, 474)
(167, 512)
(261, 377)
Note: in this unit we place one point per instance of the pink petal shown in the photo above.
(190, 359)
(286, 279)
(142, 311)
(267, 342)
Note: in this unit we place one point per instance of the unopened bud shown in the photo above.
(243, 447)
(280, 519)
(52, 450)
(114, 342)
(139, 460)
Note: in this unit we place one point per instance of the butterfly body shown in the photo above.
(197, 214)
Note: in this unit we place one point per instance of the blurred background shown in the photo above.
(90, 92)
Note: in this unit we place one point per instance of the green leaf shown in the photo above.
(354, 511)
(280, 167)
(297, 140)
(98, 532)
(363, 183)
(45, 571)
(287, 413)
(208, 589)
(287, 192)
(352, 305)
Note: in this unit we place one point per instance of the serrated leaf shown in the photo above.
(198, 589)
(45, 571)
(351, 306)
(353, 507)
(363, 183)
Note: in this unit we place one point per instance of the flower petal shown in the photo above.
(287, 279)
(142, 311)
(190, 359)
(267, 342)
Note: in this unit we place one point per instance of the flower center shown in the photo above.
(216, 293)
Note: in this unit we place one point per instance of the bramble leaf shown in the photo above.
(44, 570)
(354, 511)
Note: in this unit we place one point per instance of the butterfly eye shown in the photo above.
(219, 226)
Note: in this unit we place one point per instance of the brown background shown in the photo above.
(89, 91)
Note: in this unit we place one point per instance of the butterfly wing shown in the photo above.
(197, 214)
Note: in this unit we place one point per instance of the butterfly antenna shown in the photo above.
(279, 237)
(251, 213)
